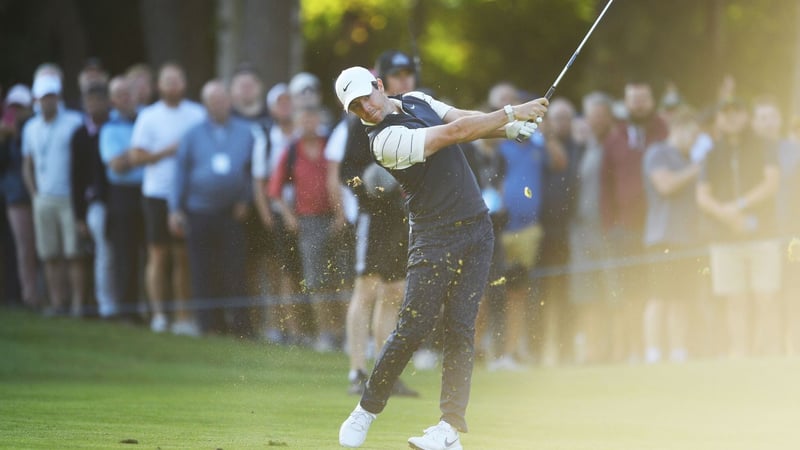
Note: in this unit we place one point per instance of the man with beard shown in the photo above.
(623, 205)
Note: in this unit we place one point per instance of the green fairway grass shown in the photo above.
(90, 385)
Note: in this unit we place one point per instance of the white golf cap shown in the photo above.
(302, 83)
(19, 94)
(275, 93)
(46, 85)
(353, 83)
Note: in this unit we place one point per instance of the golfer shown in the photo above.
(450, 246)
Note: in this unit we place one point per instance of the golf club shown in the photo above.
(552, 89)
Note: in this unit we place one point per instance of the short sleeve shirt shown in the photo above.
(671, 219)
(48, 143)
(158, 127)
(397, 147)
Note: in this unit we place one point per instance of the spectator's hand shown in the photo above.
(83, 230)
(7, 130)
(240, 211)
(291, 222)
(138, 157)
(121, 163)
(338, 223)
(266, 218)
(734, 218)
(177, 223)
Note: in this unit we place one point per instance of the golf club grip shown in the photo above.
(548, 95)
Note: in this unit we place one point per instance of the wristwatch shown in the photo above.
(510, 113)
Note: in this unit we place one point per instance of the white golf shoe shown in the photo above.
(441, 436)
(353, 431)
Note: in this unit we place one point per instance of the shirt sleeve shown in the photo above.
(397, 147)
(141, 134)
(259, 164)
(278, 178)
(247, 186)
(177, 195)
(440, 108)
(110, 145)
(654, 159)
(335, 148)
(705, 167)
(771, 154)
(27, 144)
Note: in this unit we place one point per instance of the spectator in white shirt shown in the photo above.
(156, 134)
(45, 146)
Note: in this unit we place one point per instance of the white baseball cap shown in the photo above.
(302, 83)
(19, 94)
(46, 85)
(275, 93)
(353, 83)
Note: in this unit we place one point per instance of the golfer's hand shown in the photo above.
(534, 109)
(520, 130)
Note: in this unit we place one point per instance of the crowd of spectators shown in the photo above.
(628, 230)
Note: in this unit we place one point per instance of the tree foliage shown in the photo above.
(467, 45)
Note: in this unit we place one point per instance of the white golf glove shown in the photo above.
(520, 129)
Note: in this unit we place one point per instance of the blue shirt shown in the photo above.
(115, 139)
(213, 167)
(525, 163)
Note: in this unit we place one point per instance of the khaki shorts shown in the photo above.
(54, 223)
(522, 246)
(746, 267)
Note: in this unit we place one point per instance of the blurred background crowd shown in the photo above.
(640, 224)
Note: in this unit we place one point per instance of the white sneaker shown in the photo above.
(652, 355)
(353, 431)
(425, 359)
(158, 324)
(504, 363)
(678, 355)
(441, 436)
(185, 328)
(324, 344)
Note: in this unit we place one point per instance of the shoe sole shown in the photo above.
(410, 445)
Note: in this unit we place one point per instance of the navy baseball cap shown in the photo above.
(393, 61)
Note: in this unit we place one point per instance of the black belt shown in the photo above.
(456, 224)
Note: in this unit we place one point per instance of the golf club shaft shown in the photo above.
(577, 51)
(552, 89)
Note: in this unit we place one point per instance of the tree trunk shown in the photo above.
(716, 36)
(181, 31)
(229, 33)
(264, 33)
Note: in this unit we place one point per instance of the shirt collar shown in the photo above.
(393, 100)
